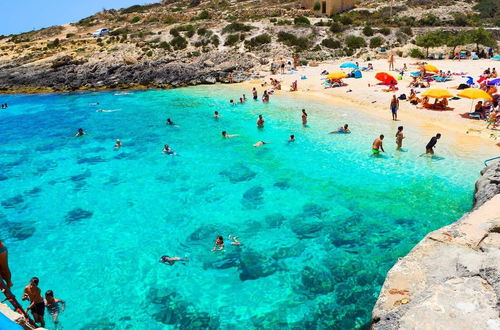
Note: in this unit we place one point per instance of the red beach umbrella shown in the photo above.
(386, 78)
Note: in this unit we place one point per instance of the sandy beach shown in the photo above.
(366, 95)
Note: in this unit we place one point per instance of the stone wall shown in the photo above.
(451, 279)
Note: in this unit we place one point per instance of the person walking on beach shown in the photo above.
(37, 306)
(377, 145)
(399, 138)
(54, 305)
(260, 122)
(5, 274)
(282, 65)
(391, 62)
(394, 107)
(429, 148)
(304, 117)
(295, 62)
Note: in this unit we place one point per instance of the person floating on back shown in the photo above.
(54, 305)
(377, 145)
(429, 148)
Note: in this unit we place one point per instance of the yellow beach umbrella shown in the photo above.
(438, 93)
(336, 75)
(430, 68)
(474, 94)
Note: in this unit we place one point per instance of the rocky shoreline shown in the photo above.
(66, 74)
(451, 279)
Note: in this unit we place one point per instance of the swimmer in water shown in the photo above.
(171, 260)
(304, 117)
(260, 143)
(234, 240)
(103, 110)
(167, 150)
(219, 244)
(260, 122)
(241, 100)
(80, 132)
(254, 93)
(244, 98)
(342, 130)
(292, 138)
(232, 102)
(216, 114)
(399, 138)
(377, 145)
(170, 122)
(118, 144)
(54, 306)
(227, 136)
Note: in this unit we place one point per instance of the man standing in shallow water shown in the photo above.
(429, 148)
(33, 293)
(399, 138)
(377, 145)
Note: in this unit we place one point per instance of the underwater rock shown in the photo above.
(20, 230)
(13, 202)
(238, 173)
(283, 185)
(33, 192)
(90, 160)
(102, 324)
(283, 252)
(81, 177)
(314, 210)
(317, 279)
(204, 232)
(3, 177)
(77, 214)
(305, 227)
(275, 220)
(223, 262)
(254, 265)
(252, 197)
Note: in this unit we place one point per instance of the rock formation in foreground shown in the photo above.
(451, 279)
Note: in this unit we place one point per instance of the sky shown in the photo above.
(25, 15)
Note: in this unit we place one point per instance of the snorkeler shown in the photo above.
(219, 244)
(171, 260)
(118, 144)
(377, 145)
(54, 305)
(342, 130)
(80, 132)
(167, 150)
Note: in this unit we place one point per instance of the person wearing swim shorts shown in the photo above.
(399, 138)
(4, 265)
(377, 145)
(33, 293)
(54, 305)
(394, 107)
(260, 122)
(254, 93)
(429, 148)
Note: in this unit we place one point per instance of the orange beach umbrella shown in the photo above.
(386, 78)
(437, 93)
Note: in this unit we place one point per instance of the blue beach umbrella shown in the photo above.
(348, 65)
(496, 58)
(494, 82)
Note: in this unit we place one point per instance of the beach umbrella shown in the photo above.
(336, 75)
(349, 65)
(430, 68)
(496, 58)
(494, 82)
(437, 93)
(386, 78)
(475, 94)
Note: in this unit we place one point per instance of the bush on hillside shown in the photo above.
(232, 39)
(406, 30)
(385, 31)
(336, 27)
(135, 19)
(346, 20)
(331, 43)
(259, 40)
(317, 6)
(300, 43)
(354, 42)
(416, 53)
(487, 8)
(237, 27)
(376, 42)
(203, 15)
(169, 20)
(301, 21)
(368, 31)
(178, 42)
(215, 40)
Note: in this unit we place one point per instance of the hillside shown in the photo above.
(190, 42)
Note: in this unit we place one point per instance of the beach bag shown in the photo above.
(402, 97)
(463, 86)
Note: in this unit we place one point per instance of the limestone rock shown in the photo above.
(129, 60)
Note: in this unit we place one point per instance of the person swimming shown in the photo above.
(80, 132)
(260, 143)
(234, 240)
(118, 144)
(292, 138)
(171, 260)
(170, 122)
(54, 306)
(167, 150)
(377, 145)
(227, 136)
(216, 114)
(219, 244)
(342, 130)
(260, 122)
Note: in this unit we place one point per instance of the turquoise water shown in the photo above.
(321, 221)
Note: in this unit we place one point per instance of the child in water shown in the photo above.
(54, 305)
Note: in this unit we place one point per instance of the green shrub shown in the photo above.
(237, 27)
(346, 20)
(259, 40)
(385, 31)
(215, 40)
(284, 22)
(149, 53)
(70, 35)
(135, 19)
(118, 32)
(202, 31)
(169, 20)
(289, 39)
(368, 31)
(430, 20)
(232, 39)
(416, 53)
(331, 43)
(406, 30)
(317, 6)
(56, 43)
(174, 32)
(273, 20)
(460, 19)
(336, 27)
(178, 42)
(354, 42)
(164, 45)
(376, 42)
(203, 15)
(301, 21)
(487, 8)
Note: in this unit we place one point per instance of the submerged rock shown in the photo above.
(238, 173)
(81, 177)
(274, 220)
(13, 202)
(102, 324)
(33, 192)
(20, 230)
(253, 197)
(3, 177)
(283, 184)
(77, 214)
(255, 265)
(90, 160)
(317, 279)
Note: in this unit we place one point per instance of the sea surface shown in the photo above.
(321, 220)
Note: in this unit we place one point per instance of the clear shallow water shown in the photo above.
(320, 219)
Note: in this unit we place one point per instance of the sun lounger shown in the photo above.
(441, 79)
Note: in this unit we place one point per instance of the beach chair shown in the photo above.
(473, 56)
(440, 79)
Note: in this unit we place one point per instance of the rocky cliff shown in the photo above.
(451, 279)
